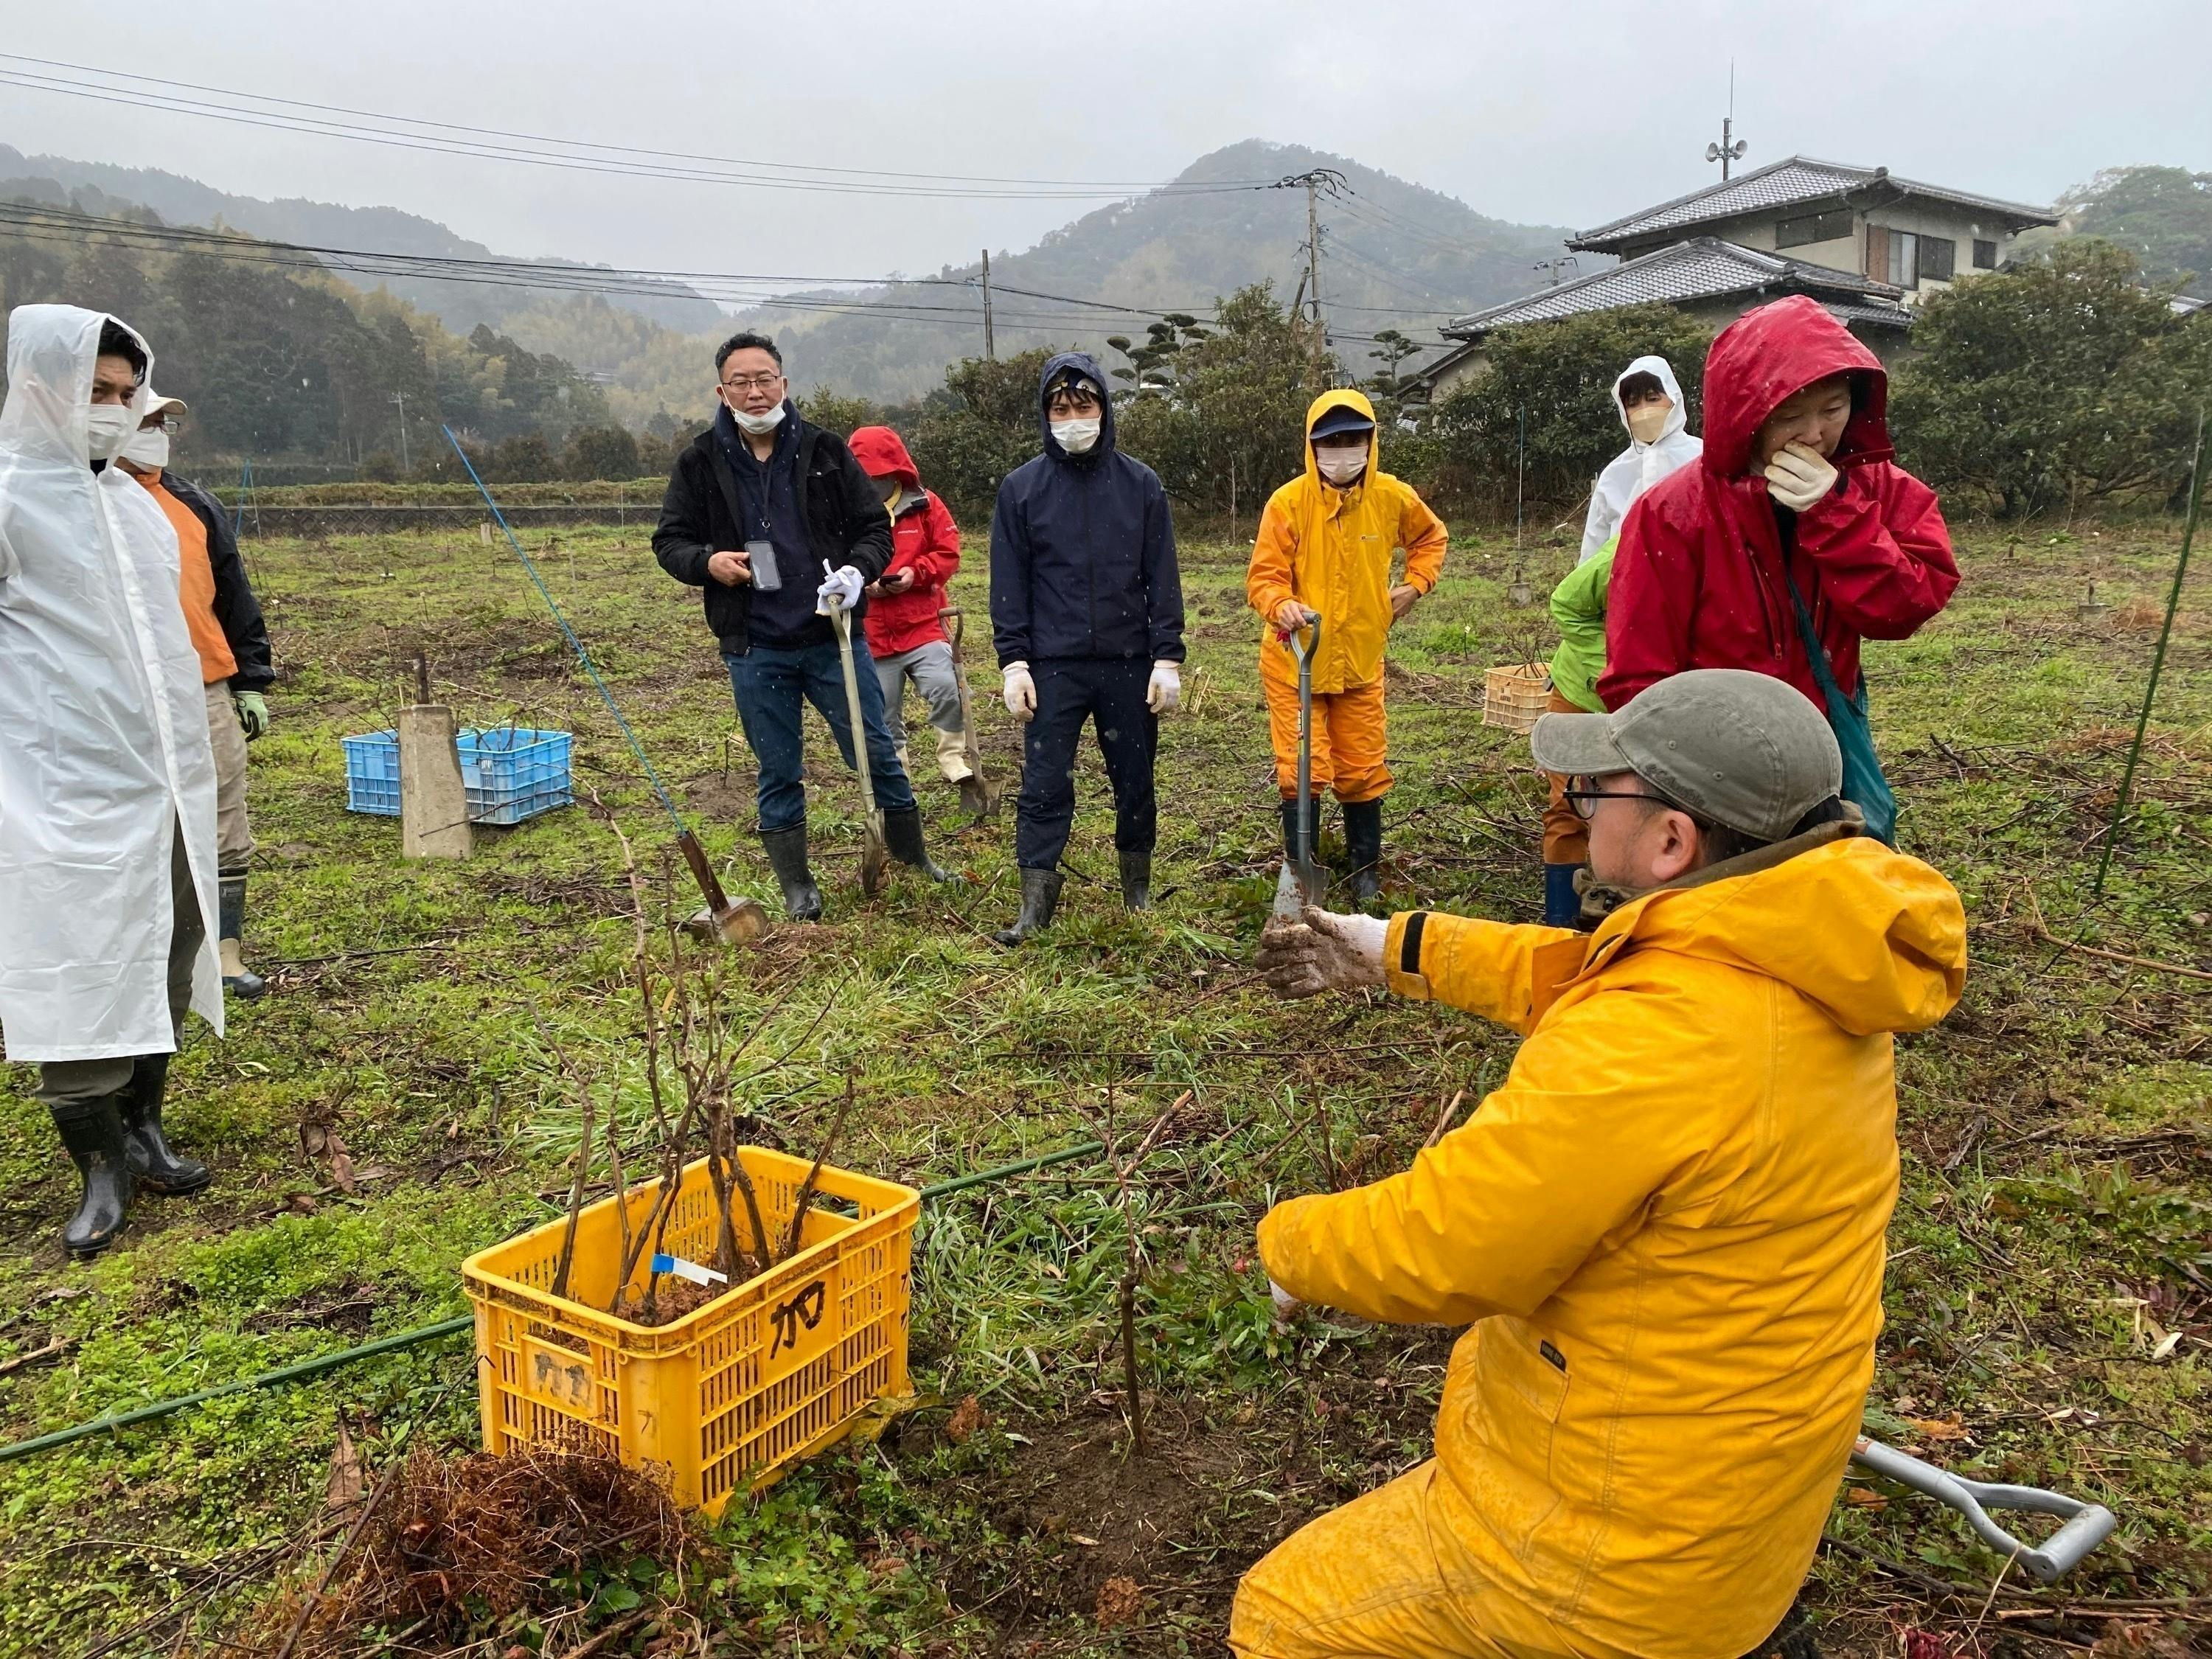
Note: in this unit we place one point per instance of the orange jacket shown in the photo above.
(1331, 550)
(1666, 1228)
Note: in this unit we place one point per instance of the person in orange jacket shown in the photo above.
(906, 632)
(1325, 548)
(1664, 1230)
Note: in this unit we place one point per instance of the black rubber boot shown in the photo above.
(231, 895)
(153, 1163)
(1363, 843)
(93, 1131)
(1040, 897)
(903, 835)
(1136, 880)
(1290, 831)
(786, 856)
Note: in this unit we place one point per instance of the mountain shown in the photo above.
(1394, 255)
(96, 187)
(2162, 215)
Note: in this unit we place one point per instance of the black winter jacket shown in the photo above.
(237, 612)
(844, 522)
(1083, 553)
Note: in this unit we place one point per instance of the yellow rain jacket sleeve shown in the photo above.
(1331, 549)
(1666, 1229)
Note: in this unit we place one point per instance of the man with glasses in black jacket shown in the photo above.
(773, 517)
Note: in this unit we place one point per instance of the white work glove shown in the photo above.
(1322, 952)
(1285, 1304)
(843, 586)
(1020, 692)
(1165, 693)
(1798, 477)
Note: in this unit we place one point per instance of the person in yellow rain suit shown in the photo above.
(1665, 1229)
(1326, 544)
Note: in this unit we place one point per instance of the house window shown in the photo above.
(1829, 226)
(1893, 257)
(1985, 254)
(1938, 255)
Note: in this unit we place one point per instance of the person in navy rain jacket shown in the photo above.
(1086, 612)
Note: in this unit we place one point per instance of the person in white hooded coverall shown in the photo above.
(1650, 400)
(108, 795)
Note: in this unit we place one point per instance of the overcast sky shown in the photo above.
(1535, 110)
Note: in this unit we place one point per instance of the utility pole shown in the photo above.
(990, 339)
(1725, 152)
(1556, 267)
(1313, 182)
(400, 398)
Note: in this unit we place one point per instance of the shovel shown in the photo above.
(1301, 882)
(2087, 1525)
(723, 921)
(978, 797)
(875, 856)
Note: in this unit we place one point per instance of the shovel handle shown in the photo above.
(842, 622)
(2087, 1525)
(702, 872)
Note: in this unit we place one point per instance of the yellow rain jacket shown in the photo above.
(1331, 550)
(1665, 1229)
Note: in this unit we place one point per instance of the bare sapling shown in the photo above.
(805, 1197)
(1124, 1165)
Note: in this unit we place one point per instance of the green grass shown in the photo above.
(2055, 1227)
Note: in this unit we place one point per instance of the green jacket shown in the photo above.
(1578, 608)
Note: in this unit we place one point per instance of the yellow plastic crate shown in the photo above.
(733, 1395)
(1516, 696)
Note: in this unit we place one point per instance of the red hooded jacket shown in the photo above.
(924, 539)
(1699, 581)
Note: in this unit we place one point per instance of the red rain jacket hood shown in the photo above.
(924, 539)
(1773, 353)
(1706, 562)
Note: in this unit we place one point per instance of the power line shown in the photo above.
(489, 143)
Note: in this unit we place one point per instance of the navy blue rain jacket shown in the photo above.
(1083, 553)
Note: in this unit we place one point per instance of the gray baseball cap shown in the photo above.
(1743, 749)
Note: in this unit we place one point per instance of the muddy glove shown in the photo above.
(1798, 477)
(1285, 1304)
(1020, 692)
(1322, 952)
(252, 713)
(1164, 692)
(843, 586)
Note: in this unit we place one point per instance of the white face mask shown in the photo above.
(1340, 466)
(109, 426)
(147, 449)
(1076, 436)
(756, 424)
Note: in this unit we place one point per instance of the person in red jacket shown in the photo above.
(905, 635)
(1796, 489)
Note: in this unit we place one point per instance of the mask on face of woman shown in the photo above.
(1341, 467)
(1647, 422)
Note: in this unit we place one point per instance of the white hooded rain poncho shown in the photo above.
(1640, 465)
(104, 746)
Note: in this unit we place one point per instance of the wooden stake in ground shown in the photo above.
(434, 802)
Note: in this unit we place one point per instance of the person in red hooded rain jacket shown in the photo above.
(906, 636)
(1796, 489)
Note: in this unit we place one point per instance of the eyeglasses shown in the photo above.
(754, 382)
(169, 423)
(1584, 800)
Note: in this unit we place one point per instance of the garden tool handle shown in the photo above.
(1302, 649)
(2087, 1525)
(841, 622)
(959, 625)
(702, 872)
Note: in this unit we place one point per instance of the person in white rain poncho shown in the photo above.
(1650, 400)
(107, 808)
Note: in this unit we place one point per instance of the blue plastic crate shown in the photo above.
(511, 772)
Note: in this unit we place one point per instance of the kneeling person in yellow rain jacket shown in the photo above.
(1325, 548)
(1665, 1230)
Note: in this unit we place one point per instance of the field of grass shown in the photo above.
(2050, 1293)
